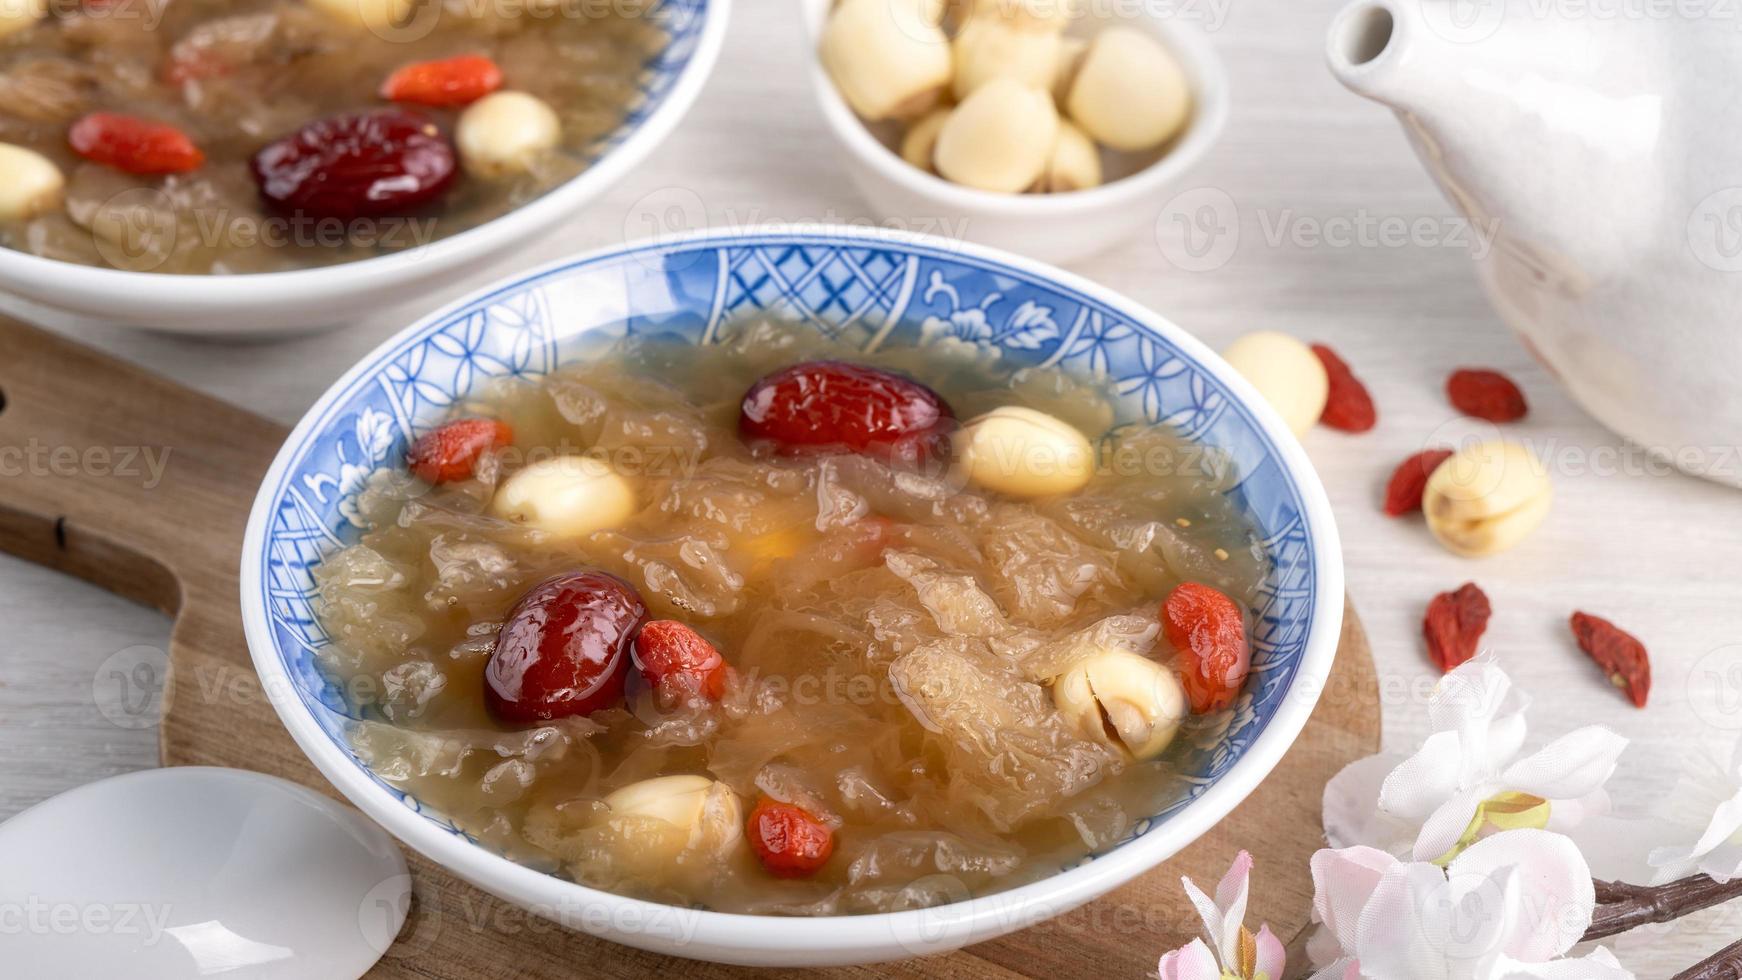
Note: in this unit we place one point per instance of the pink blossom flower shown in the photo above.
(1232, 952)
(1470, 778)
(1507, 907)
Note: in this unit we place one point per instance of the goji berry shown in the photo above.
(678, 661)
(1207, 630)
(1348, 406)
(1408, 482)
(788, 840)
(445, 82)
(1486, 395)
(134, 145)
(1454, 624)
(1619, 653)
(451, 452)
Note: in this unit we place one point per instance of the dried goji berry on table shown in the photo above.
(134, 145)
(445, 82)
(1209, 633)
(1348, 406)
(1486, 395)
(451, 452)
(1408, 482)
(1619, 653)
(678, 662)
(1454, 625)
(788, 840)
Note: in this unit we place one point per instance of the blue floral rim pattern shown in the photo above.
(870, 293)
(682, 21)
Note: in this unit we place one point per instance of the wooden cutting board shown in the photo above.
(83, 501)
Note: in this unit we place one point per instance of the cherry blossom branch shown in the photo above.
(1621, 906)
(1725, 964)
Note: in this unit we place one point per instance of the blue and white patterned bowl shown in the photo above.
(303, 300)
(871, 289)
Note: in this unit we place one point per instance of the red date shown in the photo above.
(564, 649)
(836, 406)
(367, 164)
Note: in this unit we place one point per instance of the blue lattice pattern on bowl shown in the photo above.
(869, 291)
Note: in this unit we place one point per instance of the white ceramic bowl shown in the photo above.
(1050, 227)
(307, 300)
(871, 290)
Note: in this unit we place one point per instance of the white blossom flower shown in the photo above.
(1233, 951)
(1712, 840)
(1508, 907)
(1468, 779)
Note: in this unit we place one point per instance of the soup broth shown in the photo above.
(234, 76)
(893, 633)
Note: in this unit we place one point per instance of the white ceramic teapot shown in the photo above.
(1603, 140)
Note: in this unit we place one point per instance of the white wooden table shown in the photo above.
(1307, 166)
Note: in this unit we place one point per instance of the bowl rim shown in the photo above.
(795, 940)
(213, 292)
(1203, 67)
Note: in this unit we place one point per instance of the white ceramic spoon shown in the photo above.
(196, 872)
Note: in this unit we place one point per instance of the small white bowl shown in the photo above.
(1050, 227)
(309, 300)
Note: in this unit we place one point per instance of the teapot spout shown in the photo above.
(1454, 96)
(1374, 50)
